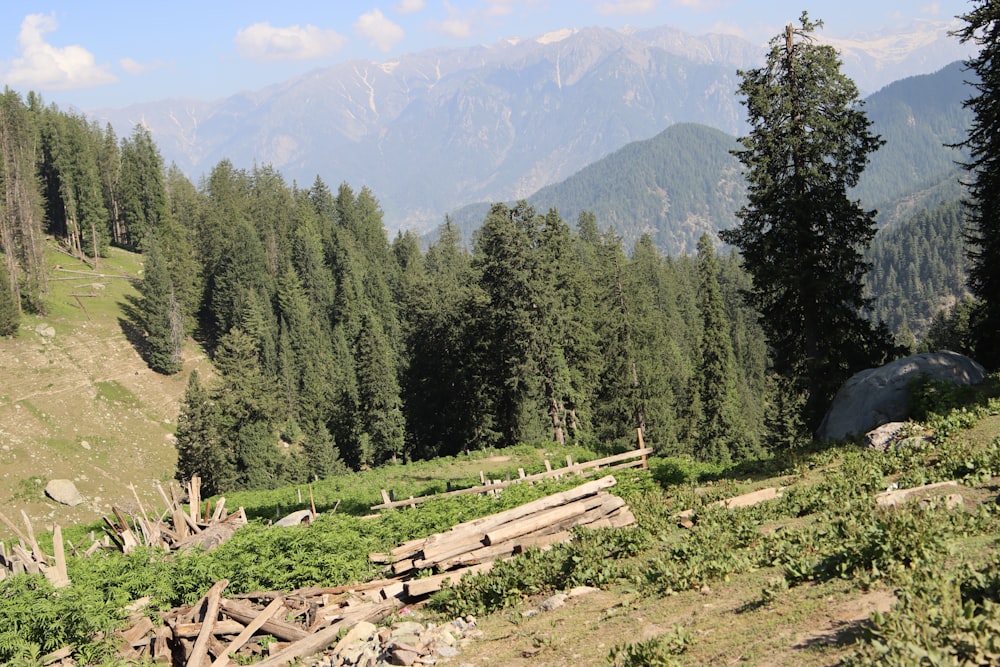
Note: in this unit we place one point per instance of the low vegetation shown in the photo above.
(824, 531)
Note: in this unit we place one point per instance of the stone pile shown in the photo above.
(402, 643)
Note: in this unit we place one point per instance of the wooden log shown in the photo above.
(537, 541)
(137, 634)
(194, 629)
(57, 656)
(199, 652)
(425, 585)
(320, 640)
(244, 636)
(161, 645)
(539, 520)
(437, 545)
(58, 575)
(245, 614)
(402, 566)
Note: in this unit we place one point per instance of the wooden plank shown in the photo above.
(425, 585)
(438, 546)
(58, 575)
(576, 467)
(320, 640)
(256, 624)
(137, 634)
(244, 613)
(541, 519)
(194, 629)
(199, 652)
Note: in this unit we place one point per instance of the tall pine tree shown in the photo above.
(982, 28)
(801, 236)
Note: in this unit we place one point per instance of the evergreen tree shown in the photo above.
(20, 202)
(982, 28)
(143, 196)
(160, 312)
(800, 235)
(10, 316)
(199, 449)
(246, 408)
(722, 432)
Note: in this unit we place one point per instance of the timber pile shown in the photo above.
(473, 546)
(218, 631)
(27, 557)
(175, 529)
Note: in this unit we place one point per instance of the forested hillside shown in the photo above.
(919, 269)
(334, 347)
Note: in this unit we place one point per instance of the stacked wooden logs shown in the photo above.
(175, 529)
(218, 631)
(473, 546)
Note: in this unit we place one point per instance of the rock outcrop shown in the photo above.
(881, 395)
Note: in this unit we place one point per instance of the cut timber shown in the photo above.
(248, 632)
(894, 497)
(322, 639)
(245, 614)
(418, 587)
(437, 546)
(199, 653)
(541, 520)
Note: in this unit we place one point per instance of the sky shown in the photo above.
(104, 53)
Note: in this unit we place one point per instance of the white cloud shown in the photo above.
(134, 67)
(409, 6)
(378, 30)
(455, 27)
(263, 42)
(618, 7)
(42, 65)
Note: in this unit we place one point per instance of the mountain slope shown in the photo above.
(434, 130)
(684, 181)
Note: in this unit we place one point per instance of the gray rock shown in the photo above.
(295, 518)
(63, 491)
(880, 395)
(882, 437)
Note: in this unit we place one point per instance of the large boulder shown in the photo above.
(63, 491)
(881, 395)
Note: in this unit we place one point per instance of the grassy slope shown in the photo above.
(84, 384)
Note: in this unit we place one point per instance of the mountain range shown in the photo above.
(441, 128)
(685, 181)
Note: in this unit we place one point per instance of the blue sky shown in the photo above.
(108, 53)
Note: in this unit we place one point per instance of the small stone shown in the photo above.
(554, 602)
(402, 656)
(954, 501)
(447, 651)
(705, 590)
(407, 628)
(85, 444)
(582, 590)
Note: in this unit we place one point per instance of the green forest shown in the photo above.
(336, 347)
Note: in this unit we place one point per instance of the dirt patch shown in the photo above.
(845, 619)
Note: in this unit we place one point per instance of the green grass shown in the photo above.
(113, 392)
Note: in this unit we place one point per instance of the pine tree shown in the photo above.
(982, 28)
(20, 202)
(143, 196)
(199, 449)
(10, 316)
(160, 314)
(800, 235)
(722, 432)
